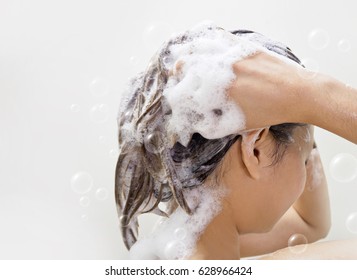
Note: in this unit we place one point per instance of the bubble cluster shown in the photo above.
(297, 243)
(351, 222)
(343, 168)
(81, 182)
(99, 113)
(319, 39)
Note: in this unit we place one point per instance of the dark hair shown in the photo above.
(144, 177)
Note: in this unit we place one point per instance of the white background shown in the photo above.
(63, 66)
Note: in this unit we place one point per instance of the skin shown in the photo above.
(266, 204)
(270, 91)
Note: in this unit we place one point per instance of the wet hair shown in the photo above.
(156, 168)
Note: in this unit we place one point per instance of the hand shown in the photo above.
(267, 89)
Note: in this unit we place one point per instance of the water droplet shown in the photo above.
(351, 223)
(84, 201)
(101, 194)
(297, 243)
(180, 233)
(343, 168)
(99, 113)
(174, 250)
(99, 87)
(344, 45)
(81, 182)
(75, 108)
(312, 67)
(154, 142)
(157, 33)
(319, 39)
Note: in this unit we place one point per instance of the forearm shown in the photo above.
(313, 205)
(330, 104)
(328, 250)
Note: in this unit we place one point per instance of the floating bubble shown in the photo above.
(99, 113)
(351, 223)
(134, 61)
(154, 142)
(81, 182)
(75, 108)
(124, 222)
(343, 168)
(344, 45)
(297, 243)
(99, 87)
(312, 67)
(319, 39)
(102, 139)
(157, 33)
(174, 250)
(84, 201)
(101, 194)
(180, 233)
(84, 217)
(114, 153)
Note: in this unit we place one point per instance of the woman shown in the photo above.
(226, 194)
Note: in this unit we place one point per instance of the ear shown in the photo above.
(253, 156)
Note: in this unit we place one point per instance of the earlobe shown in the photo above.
(251, 151)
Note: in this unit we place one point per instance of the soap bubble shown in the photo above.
(174, 250)
(312, 67)
(156, 34)
(134, 61)
(81, 182)
(102, 139)
(124, 222)
(84, 201)
(101, 194)
(297, 243)
(75, 108)
(99, 87)
(114, 153)
(99, 113)
(319, 39)
(154, 142)
(351, 223)
(343, 167)
(180, 233)
(84, 217)
(344, 45)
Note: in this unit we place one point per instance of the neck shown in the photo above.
(220, 239)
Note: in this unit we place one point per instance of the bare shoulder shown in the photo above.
(327, 250)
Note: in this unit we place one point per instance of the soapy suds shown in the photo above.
(188, 78)
(175, 237)
(317, 171)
